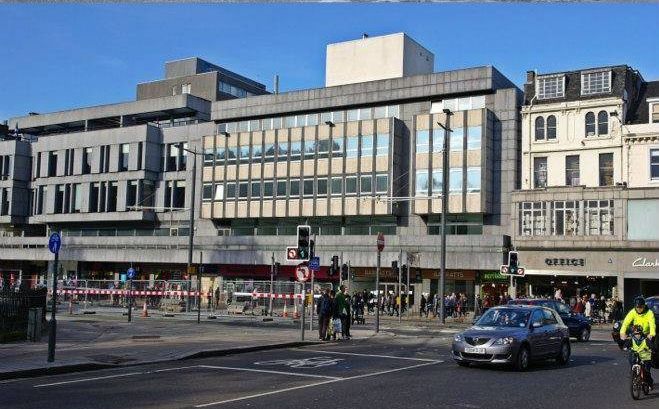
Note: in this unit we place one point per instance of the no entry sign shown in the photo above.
(302, 273)
(380, 241)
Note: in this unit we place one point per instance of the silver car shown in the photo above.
(513, 334)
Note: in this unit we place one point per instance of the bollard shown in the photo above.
(304, 303)
(145, 311)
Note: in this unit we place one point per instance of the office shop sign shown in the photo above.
(565, 262)
(645, 262)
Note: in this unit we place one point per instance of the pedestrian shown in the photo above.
(422, 306)
(324, 312)
(348, 319)
(336, 321)
(579, 306)
(588, 307)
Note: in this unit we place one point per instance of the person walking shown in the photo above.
(348, 319)
(422, 306)
(324, 312)
(342, 310)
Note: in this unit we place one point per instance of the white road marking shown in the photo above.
(89, 379)
(258, 395)
(231, 368)
(369, 355)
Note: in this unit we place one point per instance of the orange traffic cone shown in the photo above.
(145, 312)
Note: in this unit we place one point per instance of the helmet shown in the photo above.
(639, 301)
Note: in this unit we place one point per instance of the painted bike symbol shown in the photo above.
(314, 362)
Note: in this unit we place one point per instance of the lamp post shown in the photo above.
(191, 228)
(445, 180)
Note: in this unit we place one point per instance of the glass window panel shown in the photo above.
(232, 154)
(540, 172)
(309, 149)
(322, 187)
(337, 186)
(289, 122)
(572, 170)
(551, 127)
(267, 188)
(242, 189)
(232, 127)
(257, 152)
(590, 124)
(351, 185)
(393, 111)
(255, 125)
(365, 185)
(207, 191)
(474, 134)
(312, 119)
(437, 177)
(457, 139)
(455, 180)
(296, 150)
(244, 154)
(308, 187)
(256, 189)
(381, 183)
(243, 126)
(438, 140)
(367, 145)
(352, 147)
(323, 148)
(550, 87)
(365, 113)
(606, 169)
(654, 164)
(337, 146)
(231, 190)
(464, 104)
(602, 123)
(266, 123)
(353, 115)
(338, 116)
(301, 120)
(325, 117)
(382, 144)
(473, 179)
(380, 112)
(421, 183)
(219, 192)
(422, 141)
(295, 188)
(281, 188)
(276, 123)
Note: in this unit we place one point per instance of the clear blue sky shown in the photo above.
(58, 57)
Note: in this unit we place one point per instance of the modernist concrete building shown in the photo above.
(586, 217)
(350, 159)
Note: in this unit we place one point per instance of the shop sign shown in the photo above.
(493, 276)
(575, 262)
(645, 262)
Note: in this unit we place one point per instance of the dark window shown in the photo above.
(124, 155)
(4, 206)
(551, 127)
(139, 155)
(93, 197)
(207, 191)
(281, 188)
(38, 168)
(172, 156)
(52, 163)
(572, 170)
(242, 190)
(112, 197)
(183, 162)
(295, 188)
(308, 187)
(178, 198)
(267, 188)
(147, 193)
(654, 164)
(256, 190)
(102, 197)
(539, 128)
(231, 191)
(131, 193)
(590, 124)
(59, 198)
(602, 123)
(169, 186)
(606, 169)
(86, 161)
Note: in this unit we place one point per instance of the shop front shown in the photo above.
(493, 284)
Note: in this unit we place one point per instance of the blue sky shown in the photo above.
(64, 56)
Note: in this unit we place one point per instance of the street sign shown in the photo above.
(380, 241)
(130, 274)
(302, 273)
(54, 243)
(504, 269)
(291, 253)
(314, 264)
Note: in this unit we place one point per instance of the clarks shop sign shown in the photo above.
(574, 262)
(645, 262)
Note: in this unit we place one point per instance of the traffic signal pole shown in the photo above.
(272, 279)
(400, 284)
(377, 293)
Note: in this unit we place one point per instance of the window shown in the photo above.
(219, 191)
(257, 153)
(172, 156)
(438, 140)
(474, 135)
(139, 155)
(87, 161)
(323, 148)
(380, 112)
(309, 149)
(289, 122)
(367, 146)
(243, 154)
(606, 169)
(321, 187)
(437, 178)
(256, 190)
(473, 179)
(301, 120)
(270, 152)
(548, 318)
(423, 141)
(351, 185)
(337, 147)
(243, 188)
(295, 188)
(131, 193)
(539, 172)
(337, 186)
(43, 193)
(353, 115)
(123, 157)
(68, 162)
(654, 164)
(231, 154)
(551, 127)
(533, 218)
(296, 150)
(112, 197)
(231, 191)
(381, 183)
(281, 188)
(312, 119)
(209, 156)
(572, 170)
(457, 139)
(59, 198)
(4, 204)
(421, 183)
(183, 158)
(602, 123)
(352, 146)
(52, 163)
(550, 87)
(599, 217)
(77, 197)
(539, 128)
(308, 187)
(455, 180)
(178, 195)
(365, 114)
(268, 188)
(458, 104)
(255, 125)
(366, 185)
(565, 218)
(147, 193)
(590, 124)
(595, 82)
(104, 163)
(38, 167)
(654, 113)
(186, 88)
(207, 192)
(94, 190)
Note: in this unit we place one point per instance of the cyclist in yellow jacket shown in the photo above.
(640, 315)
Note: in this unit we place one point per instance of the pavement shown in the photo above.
(378, 371)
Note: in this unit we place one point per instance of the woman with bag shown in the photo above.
(343, 310)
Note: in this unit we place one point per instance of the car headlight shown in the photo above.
(458, 338)
(504, 341)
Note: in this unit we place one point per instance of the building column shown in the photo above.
(620, 287)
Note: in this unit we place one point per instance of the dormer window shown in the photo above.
(550, 87)
(597, 82)
(654, 112)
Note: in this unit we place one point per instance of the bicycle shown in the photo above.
(639, 377)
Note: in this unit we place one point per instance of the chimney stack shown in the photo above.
(530, 77)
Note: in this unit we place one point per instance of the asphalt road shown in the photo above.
(386, 372)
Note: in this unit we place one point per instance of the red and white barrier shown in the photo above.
(83, 291)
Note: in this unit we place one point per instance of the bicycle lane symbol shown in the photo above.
(303, 363)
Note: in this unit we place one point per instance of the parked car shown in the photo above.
(578, 325)
(513, 334)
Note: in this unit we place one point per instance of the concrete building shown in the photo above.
(351, 160)
(583, 218)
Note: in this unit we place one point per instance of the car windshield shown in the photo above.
(504, 318)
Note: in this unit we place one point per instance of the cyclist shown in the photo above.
(640, 344)
(643, 317)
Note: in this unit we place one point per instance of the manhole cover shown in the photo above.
(110, 359)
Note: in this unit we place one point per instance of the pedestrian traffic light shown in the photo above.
(304, 242)
(334, 267)
(403, 270)
(513, 263)
(344, 272)
(394, 266)
(276, 269)
(418, 275)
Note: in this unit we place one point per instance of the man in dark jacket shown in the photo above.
(324, 312)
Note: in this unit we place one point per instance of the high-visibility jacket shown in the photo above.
(642, 347)
(645, 320)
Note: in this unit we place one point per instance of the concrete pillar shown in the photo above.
(620, 287)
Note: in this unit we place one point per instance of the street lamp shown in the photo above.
(191, 235)
(445, 179)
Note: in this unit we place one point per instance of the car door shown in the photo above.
(568, 319)
(537, 337)
(552, 331)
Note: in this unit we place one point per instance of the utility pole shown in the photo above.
(191, 232)
(199, 273)
(400, 284)
(407, 286)
(445, 199)
(272, 279)
(313, 274)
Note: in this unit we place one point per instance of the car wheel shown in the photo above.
(564, 353)
(523, 359)
(584, 335)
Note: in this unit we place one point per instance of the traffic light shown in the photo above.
(334, 267)
(276, 269)
(403, 270)
(304, 242)
(513, 263)
(394, 266)
(418, 275)
(344, 272)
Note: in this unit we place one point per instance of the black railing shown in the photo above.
(15, 307)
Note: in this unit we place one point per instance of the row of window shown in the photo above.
(566, 218)
(592, 83)
(349, 185)
(233, 90)
(572, 170)
(364, 146)
(456, 140)
(87, 157)
(458, 104)
(313, 119)
(547, 130)
(430, 183)
(175, 157)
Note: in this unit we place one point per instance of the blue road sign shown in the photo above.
(130, 273)
(54, 243)
(314, 263)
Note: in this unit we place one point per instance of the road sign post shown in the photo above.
(380, 246)
(130, 274)
(304, 303)
(54, 244)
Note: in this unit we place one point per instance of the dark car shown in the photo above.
(578, 325)
(513, 334)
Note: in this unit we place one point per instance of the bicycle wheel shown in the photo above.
(636, 387)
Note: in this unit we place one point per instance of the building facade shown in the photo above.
(351, 160)
(583, 220)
